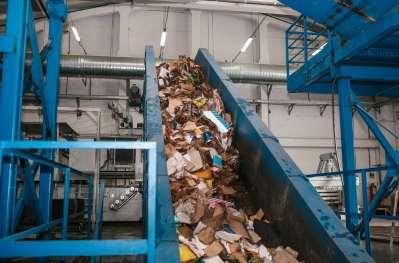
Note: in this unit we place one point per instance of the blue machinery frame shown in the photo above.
(292, 202)
(167, 245)
(359, 59)
(12, 247)
(36, 157)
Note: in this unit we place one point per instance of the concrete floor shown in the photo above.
(382, 253)
(380, 231)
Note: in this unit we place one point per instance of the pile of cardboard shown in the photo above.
(202, 166)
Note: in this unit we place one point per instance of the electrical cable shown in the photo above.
(334, 126)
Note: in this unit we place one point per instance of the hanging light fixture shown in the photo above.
(163, 38)
(75, 33)
(246, 44)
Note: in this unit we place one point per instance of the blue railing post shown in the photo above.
(89, 204)
(305, 43)
(365, 212)
(99, 217)
(67, 182)
(151, 204)
(287, 56)
(11, 246)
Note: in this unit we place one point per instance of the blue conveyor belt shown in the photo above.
(280, 188)
(305, 221)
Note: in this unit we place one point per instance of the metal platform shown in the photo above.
(362, 44)
(356, 54)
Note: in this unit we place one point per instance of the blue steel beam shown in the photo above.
(360, 89)
(10, 105)
(348, 152)
(57, 11)
(279, 185)
(67, 183)
(78, 145)
(167, 248)
(151, 205)
(366, 211)
(46, 248)
(39, 229)
(320, 64)
(30, 191)
(36, 67)
(390, 152)
(100, 210)
(90, 201)
(365, 73)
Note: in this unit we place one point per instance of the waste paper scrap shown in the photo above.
(202, 166)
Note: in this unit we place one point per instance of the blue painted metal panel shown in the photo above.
(167, 245)
(279, 186)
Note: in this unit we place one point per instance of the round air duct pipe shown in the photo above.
(125, 67)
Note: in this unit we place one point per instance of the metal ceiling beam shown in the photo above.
(228, 6)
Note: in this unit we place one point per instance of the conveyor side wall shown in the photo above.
(306, 222)
(167, 247)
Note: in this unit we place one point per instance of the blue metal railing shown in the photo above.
(12, 247)
(302, 44)
(366, 214)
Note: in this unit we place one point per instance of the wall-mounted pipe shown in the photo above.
(124, 67)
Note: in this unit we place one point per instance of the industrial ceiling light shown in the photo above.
(75, 33)
(163, 38)
(246, 44)
(249, 40)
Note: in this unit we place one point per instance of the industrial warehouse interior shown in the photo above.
(212, 131)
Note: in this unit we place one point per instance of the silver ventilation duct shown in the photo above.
(124, 67)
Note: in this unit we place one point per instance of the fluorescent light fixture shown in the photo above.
(163, 39)
(75, 33)
(246, 45)
(317, 51)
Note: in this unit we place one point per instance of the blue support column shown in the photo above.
(348, 152)
(67, 182)
(366, 212)
(89, 204)
(57, 12)
(10, 105)
(151, 207)
(99, 212)
(99, 217)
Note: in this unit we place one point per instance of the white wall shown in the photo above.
(125, 30)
